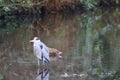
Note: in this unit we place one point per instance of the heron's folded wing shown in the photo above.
(45, 53)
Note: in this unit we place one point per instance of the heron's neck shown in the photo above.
(37, 43)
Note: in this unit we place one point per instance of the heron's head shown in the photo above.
(35, 39)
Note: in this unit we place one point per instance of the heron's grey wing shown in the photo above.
(44, 45)
(45, 53)
(37, 51)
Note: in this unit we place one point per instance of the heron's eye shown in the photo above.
(36, 38)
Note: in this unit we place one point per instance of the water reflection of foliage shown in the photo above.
(11, 24)
(91, 35)
(101, 30)
(53, 27)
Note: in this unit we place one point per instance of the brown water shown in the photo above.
(89, 42)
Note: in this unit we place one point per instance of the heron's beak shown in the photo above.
(31, 41)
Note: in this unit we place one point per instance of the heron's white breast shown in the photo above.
(37, 50)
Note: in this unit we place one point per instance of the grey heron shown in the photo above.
(40, 50)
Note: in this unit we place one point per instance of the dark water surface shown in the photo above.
(90, 43)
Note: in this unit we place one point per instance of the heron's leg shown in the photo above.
(38, 62)
(43, 62)
(38, 71)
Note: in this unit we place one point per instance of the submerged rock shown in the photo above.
(74, 75)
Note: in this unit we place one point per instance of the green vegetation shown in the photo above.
(59, 3)
(89, 3)
(16, 7)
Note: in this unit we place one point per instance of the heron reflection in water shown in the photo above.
(43, 75)
(40, 50)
